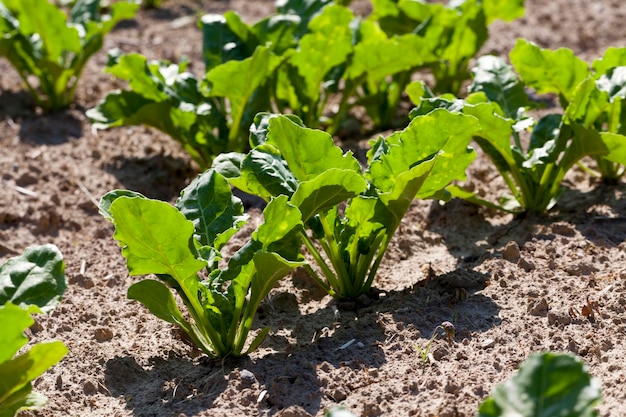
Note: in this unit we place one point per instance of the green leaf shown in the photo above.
(155, 238)
(308, 152)
(547, 71)
(37, 277)
(224, 38)
(105, 202)
(215, 212)
(328, 44)
(506, 10)
(613, 57)
(17, 373)
(160, 301)
(439, 132)
(546, 385)
(238, 81)
(327, 190)
(616, 145)
(500, 84)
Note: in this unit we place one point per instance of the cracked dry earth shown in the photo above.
(510, 286)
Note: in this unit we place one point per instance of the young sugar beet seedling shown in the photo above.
(534, 172)
(53, 46)
(351, 214)
(181, 246)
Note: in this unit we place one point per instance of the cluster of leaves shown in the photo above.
(181, 246)
(590, 124)
(52, 46)
(31, 283)
(351, 214)
(293, 61)
(546, 384)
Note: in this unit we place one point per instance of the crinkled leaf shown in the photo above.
(327, 44)
(613, 57)
(308, 152)
(327, 190)
(216, 214)
(547, 71)
(223, 40)
(506, 10)
(613, 82)
(35, 277)
(439, 132)
(500, 84)
(546, 385)
(155, 238)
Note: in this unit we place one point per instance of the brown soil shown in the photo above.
(510, 286)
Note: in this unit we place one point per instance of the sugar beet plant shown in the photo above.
(351, 215)
(293, 62)
(597, 94)
(30, 283)
(534, 168)
(181, 246)
(52, 46)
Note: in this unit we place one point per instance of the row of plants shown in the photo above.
(34, 282)
(267, 66)
(325, 212)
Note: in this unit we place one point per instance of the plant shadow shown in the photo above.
(159, 176)
(51, 129)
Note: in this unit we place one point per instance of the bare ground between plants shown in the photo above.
(510, 286)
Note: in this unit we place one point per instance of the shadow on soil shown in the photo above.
(50, 129)
(159, 176)
(337, 350)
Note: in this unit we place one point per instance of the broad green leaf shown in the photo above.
(14, 321)
(215, 212)
(155, 238)
(23, 399)
(407, 185)
(308, 152)
(547, 71)
(328, 44)
(265, 173)
(381, 58)
(223, 40)
(16, 374)
(616, 145)
(506, 10)
(238, 81)
(439, 132)
(277, 32)
(108, 199)
(613, 57)
(546, 385)
(35, 277)
(50, 24)
(159, 299)
(500, 84)
(281, 220)
(327, 190)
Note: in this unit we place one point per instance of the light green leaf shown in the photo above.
(546, 385)
(327, 190)
(155, 238)
(35, 277)
(308, 152)
(613, 57)
(328, 44)
(616, 145)
(547, 71)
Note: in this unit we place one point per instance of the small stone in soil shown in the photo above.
(103, 335)
(511, 252)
